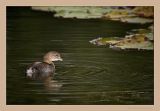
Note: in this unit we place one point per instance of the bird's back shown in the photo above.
(40, 70)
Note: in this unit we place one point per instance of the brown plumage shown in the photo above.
(45, 69)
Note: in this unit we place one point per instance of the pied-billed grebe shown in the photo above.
(45, 69)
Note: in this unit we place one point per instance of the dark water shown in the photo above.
(88, 74)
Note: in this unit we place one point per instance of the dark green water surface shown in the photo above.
(88, 75)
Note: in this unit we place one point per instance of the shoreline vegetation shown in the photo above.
(139, 39)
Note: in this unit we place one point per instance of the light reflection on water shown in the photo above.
(88, 74)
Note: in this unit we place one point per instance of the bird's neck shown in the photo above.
(48, 61)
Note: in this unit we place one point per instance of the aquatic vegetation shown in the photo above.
(105, 41)
(144, 11)
(137, 39)
(140, 15)
(136, 20)
(117, 14)
(147, 32)
(85, 12)
(124, 14)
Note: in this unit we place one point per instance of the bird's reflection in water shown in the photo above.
(48, 82)
(51, 85)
